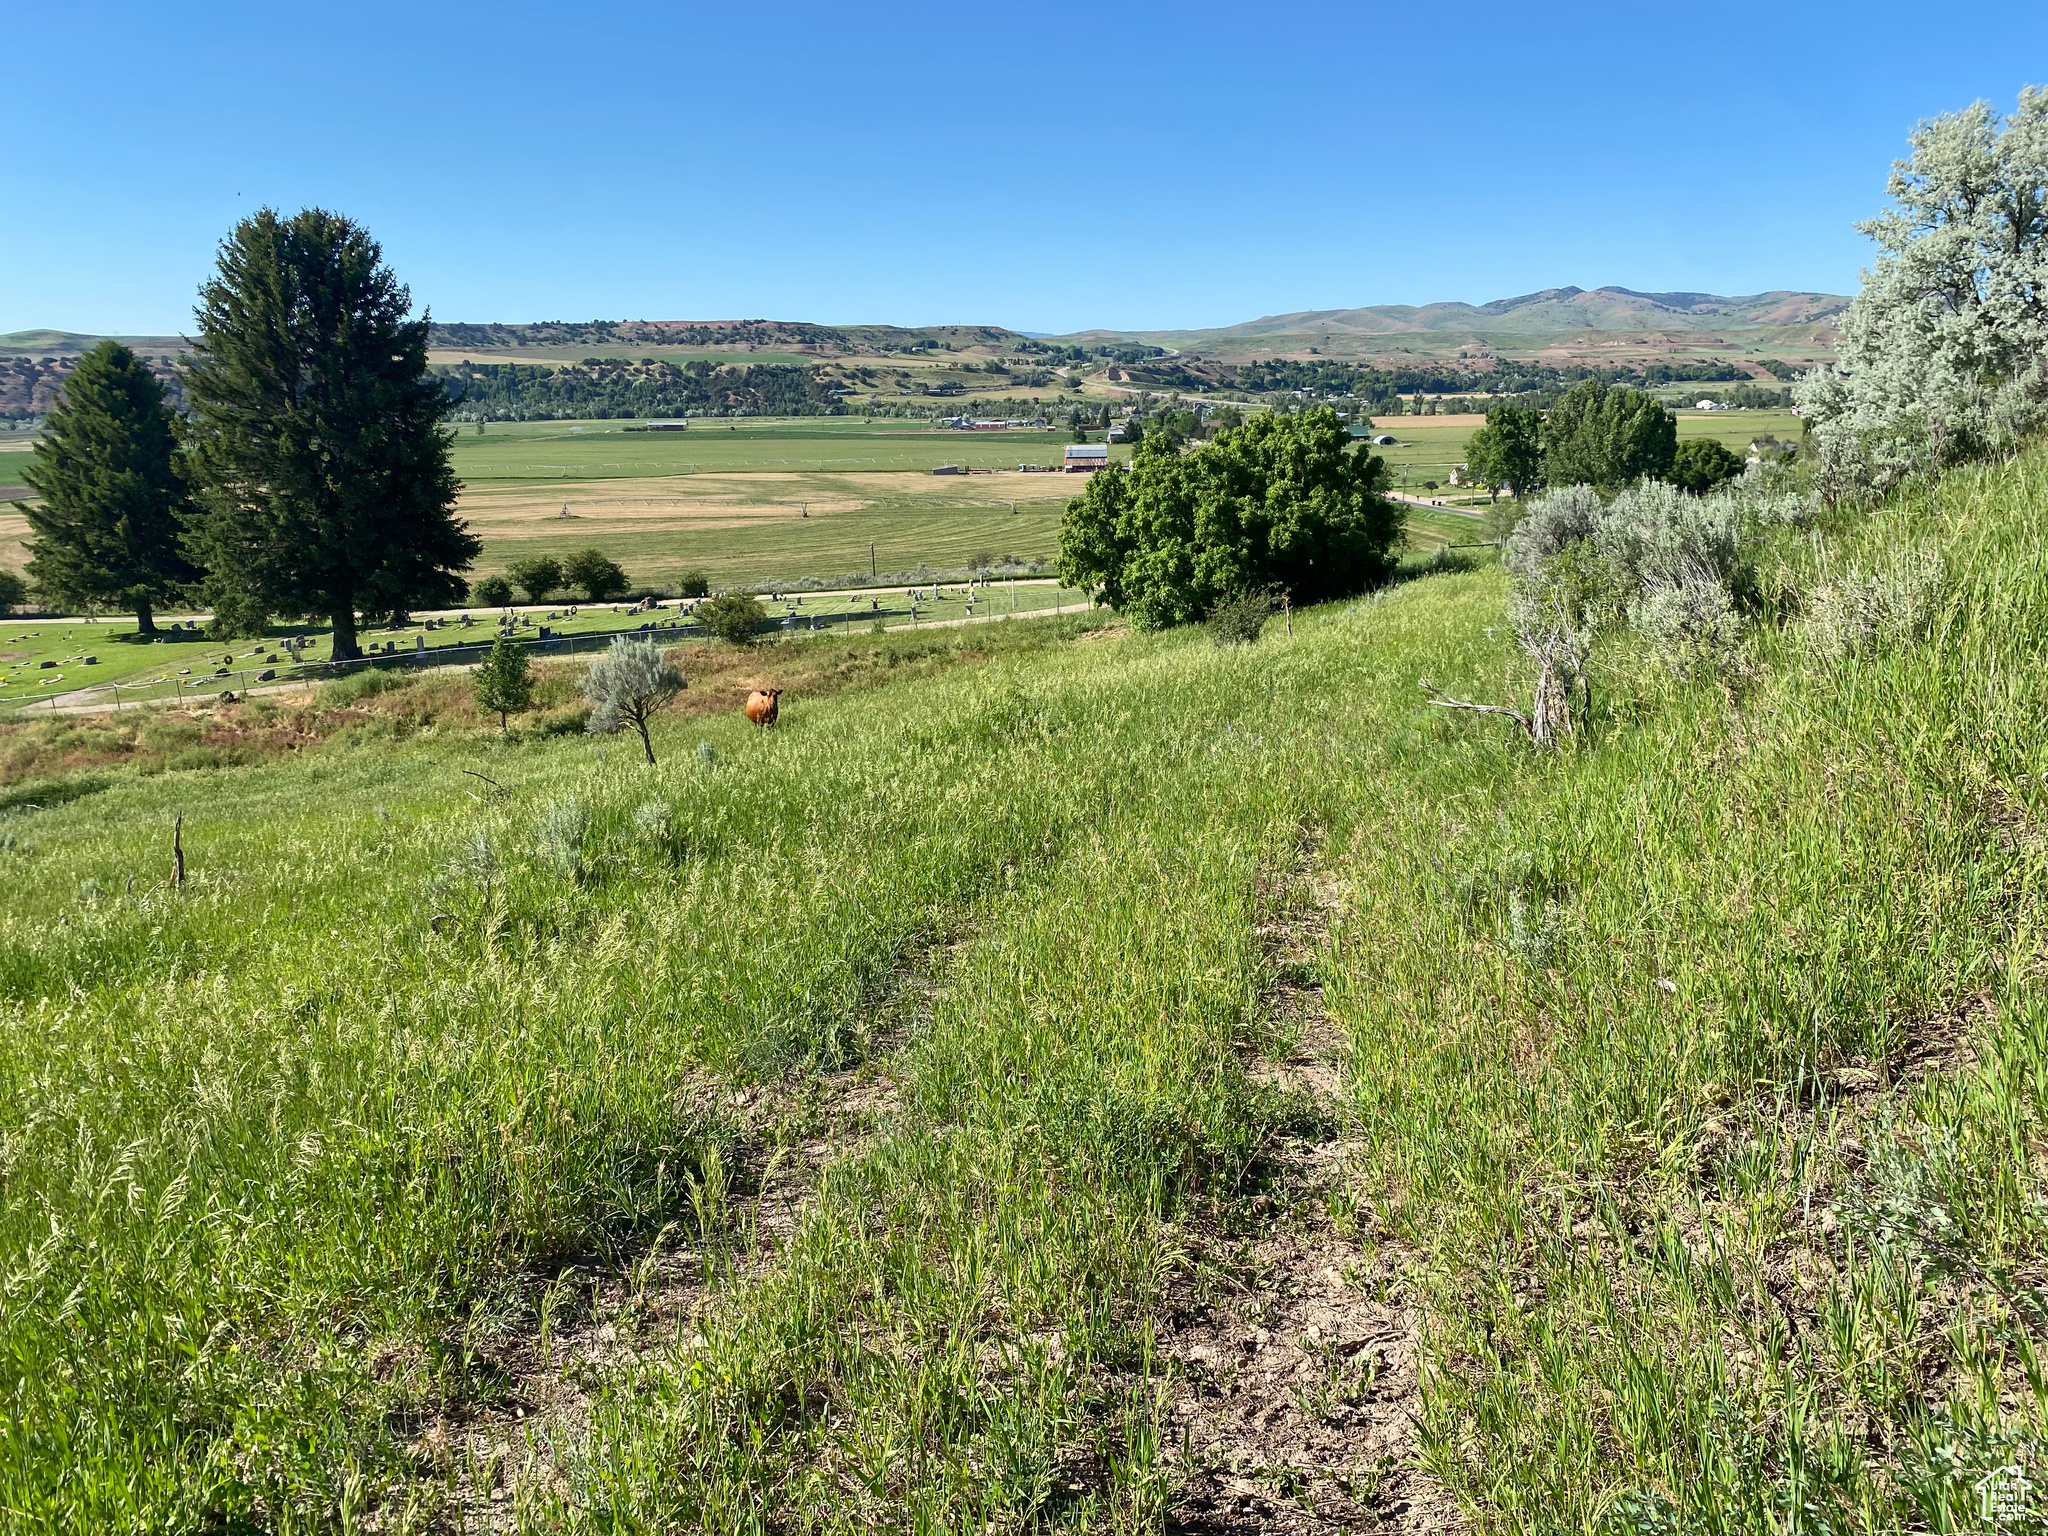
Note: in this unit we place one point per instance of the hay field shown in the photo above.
(754, 527)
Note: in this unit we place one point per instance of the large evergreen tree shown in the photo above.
(321, 465)
(110, 518)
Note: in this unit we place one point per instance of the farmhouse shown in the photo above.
(1084, 457)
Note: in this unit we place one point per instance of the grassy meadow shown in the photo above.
(949, 1109)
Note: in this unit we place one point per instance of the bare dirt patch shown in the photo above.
(1295, 1356)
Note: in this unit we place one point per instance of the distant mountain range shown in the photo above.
(1550, 311)
(1555, 325)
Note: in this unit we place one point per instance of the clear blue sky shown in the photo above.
(1048, 167)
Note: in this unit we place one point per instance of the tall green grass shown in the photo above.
(1697, 1090)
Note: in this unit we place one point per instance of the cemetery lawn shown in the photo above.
(1121, 1081)
(177, 669)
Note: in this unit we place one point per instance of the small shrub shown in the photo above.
(1691, 622)
(731, 616)
(1569, 515)
(651, 820)
(628, 685)
(1866, 610)
(559, 840)
(492, 592)
(1242, 619)
(1654, 535)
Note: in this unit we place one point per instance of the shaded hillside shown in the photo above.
(617, 338)
(29, 385)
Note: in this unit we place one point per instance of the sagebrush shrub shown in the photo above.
(1867, 609)
(1654, 535)
(559, 840)
(1569, 515)
(1690, 621)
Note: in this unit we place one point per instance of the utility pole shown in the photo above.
(872, 573)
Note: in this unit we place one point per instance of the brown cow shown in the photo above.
(763, 705)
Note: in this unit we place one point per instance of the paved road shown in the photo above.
(1433, 506)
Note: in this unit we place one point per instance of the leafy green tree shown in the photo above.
(13, 591)
(694, 584)
(1507, 453)
(1607, 436)
(600, 579)
(320, 464)
(732, 616)
(628, 685)
(1285, 502)
(109, 525)
(493, 592)
(1944, 352)
(1701, 464)
(536, 577)
(503, 684)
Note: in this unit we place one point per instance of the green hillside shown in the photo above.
(1061, 1085)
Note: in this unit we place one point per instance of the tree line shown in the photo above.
(1602, 435)
(1367, 382)
(608, 390)
(309, 472)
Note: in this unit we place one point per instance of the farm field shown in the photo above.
(780, 501)
(763, 501)
(1104, 1081)
(730, 500)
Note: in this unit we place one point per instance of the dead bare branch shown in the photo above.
(1443, 700)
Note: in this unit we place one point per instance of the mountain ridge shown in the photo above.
(1561, 325)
